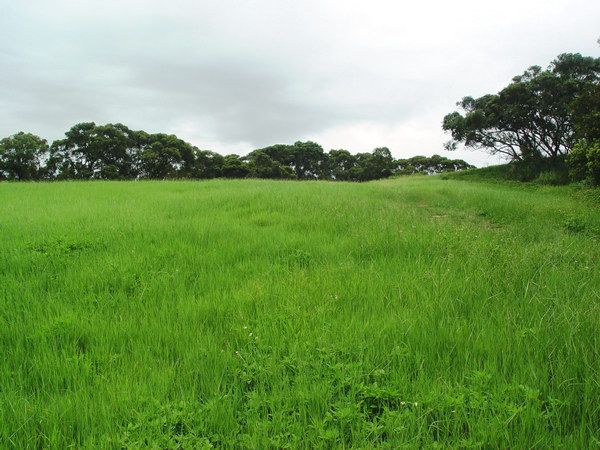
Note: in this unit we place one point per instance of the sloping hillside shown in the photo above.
(415, 311)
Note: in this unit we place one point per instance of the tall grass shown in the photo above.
(413, 312)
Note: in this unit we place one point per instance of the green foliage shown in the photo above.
(577, 162)
(308, 160)
(537, 116)
(586, 114)
(114, 152)
(261, 165)
(541, 170)
(574, 224)
(95, 151)
(544, 171)
(431, 165)
(21, 157)
(207, 164)
(403, 313)
(167, 426)
(379, 164)
(594, 164)
(500, 172)
(342, 165)
(584, 162)
(552, 178)
(234, 167)
(166, 156)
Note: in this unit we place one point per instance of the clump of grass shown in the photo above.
(574, 224)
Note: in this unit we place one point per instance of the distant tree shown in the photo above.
(113, 151)
(22, 156)
(261, 165)
(158, 161)
(383, 162)
(308, 160)
(430, 165)
(234, 167)
(165, 156)
(207, 164)
(530, 118)
(373, 166)
(72, 157)
(341, 165)
(95, 151)
(282, 153)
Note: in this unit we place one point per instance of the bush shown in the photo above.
(584, 162)
(552, 178)
(544, 170)
(593, 164)
(523, 171)
(577, 162)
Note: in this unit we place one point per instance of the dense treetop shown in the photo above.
(113, 151)
(540, 114)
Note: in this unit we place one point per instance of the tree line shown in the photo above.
(544, 120)
(115, 152)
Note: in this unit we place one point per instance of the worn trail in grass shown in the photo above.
(414, 312)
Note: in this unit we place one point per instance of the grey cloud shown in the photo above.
(268, 71)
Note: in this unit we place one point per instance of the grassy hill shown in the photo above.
(417, 312)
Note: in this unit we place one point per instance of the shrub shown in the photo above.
(552, 178)
(584, 162)
(577, 162)
(523, 171)
(538, 168)
(593, 164)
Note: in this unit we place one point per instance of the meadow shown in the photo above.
(411, 312)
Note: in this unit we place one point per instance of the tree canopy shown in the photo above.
(22, 157)
(540, 114)
(114, 151)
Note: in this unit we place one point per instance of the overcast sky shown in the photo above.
(231, 76)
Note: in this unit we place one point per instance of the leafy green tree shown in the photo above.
(207, 164)
(282, 153)
(113, 151)
(586, 114)
(158, 161)
(308, 160)
(574, 66)
(341, 165)
(429, 165)
(261, 165)
(165, 156)
(373, 166)
(234, 167)
(95, 151)
(383, 161)
(530, 118)
(74, 156)
(22, 156)
(117, 147)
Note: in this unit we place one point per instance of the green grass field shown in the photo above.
(415, 312)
